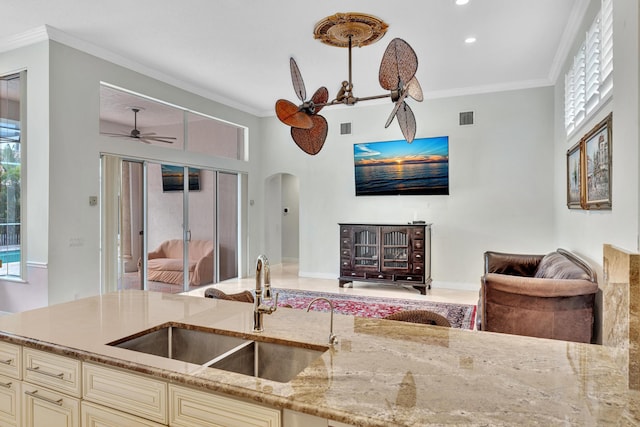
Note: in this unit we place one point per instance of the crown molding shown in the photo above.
(477, 90)
(23, 39)
(47, 32)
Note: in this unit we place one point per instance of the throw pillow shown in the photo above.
(557, 266)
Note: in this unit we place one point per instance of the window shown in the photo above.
(11, 138)
(590, 79)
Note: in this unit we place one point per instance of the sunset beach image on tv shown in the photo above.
(399, 168)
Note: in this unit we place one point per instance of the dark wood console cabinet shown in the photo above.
(388, 253)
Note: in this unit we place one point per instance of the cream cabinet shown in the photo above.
(10, 398)
(50, 390)
(42, 407)
(11, 360)
(10, 384)
(194, 408)
(138, 395)
(94, 415)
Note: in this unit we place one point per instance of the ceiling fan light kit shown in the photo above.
(397, 75)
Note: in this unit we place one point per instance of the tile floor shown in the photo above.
(286, 276)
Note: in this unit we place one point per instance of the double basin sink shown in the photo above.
(216, 349)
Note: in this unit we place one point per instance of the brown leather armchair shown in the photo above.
(545, 296)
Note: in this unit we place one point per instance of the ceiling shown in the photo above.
(237, 51)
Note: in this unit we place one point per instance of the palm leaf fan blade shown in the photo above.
(311, 140)
(399, 64)
(296, 79)
(407, 122)
(289, 114)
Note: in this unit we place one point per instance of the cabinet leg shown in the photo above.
(343, 282)
(422, 289)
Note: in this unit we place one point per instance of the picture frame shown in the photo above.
(574, 177)
(596, 166)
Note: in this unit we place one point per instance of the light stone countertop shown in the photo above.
(381, 373)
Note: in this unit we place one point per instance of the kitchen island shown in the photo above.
(381, 373)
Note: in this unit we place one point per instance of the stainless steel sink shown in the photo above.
(276, 362)
(244, 355)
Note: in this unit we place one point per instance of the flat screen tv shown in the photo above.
(173, 178)
(400, 168)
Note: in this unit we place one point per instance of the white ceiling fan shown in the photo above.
(146, 137)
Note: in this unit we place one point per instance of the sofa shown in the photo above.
(546, 296)
(165, 263)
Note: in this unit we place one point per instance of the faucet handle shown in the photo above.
(275, 304)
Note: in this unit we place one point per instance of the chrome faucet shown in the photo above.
(262, 271)
(333, 339)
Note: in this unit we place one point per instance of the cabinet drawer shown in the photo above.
(141, 396)
(43, 407)
(345, 253)
(11, 360)
(345, 231)
(10, 390)
(352, 274)
(410, 278)
(418, 268)
(99, 416)
(191, 408)
(418, 244)
(345, 242)
(379, 276)
(418, 257)
(58, 373)
(417, 232)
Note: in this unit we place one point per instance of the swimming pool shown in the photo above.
(10, 256)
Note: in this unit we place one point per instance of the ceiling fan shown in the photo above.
(397, 75)
(146, 137)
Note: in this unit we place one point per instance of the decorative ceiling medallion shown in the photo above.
(361, 29)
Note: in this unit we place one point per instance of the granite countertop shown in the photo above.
(381, 373)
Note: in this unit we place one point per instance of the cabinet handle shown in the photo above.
(409, 278)
(49, 374)
(418, 256)
(6, 362)
(6, 385)
(380, 276)
(46, 399)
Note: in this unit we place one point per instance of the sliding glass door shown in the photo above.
(164, 233)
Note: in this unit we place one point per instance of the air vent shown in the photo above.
(345, 128)
(466, 118)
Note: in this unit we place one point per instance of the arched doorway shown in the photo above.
(282, 218)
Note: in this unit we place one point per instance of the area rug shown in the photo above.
(459, 315)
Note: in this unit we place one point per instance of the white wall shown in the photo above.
(586, 231)
(501, 181)
(65, 144)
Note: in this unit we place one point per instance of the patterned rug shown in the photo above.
(460, 315)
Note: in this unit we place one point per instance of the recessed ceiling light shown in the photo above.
(461, 2)
(470, 40)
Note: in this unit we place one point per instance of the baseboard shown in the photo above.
(458, 286)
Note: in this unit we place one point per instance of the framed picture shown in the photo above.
(574, 176)
(597, 166)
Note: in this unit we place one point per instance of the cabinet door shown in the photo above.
(9, 401)
(395, 249)
(45, 408)
(138, 395)
(193, 408)
(365, 248)
(99, 416)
